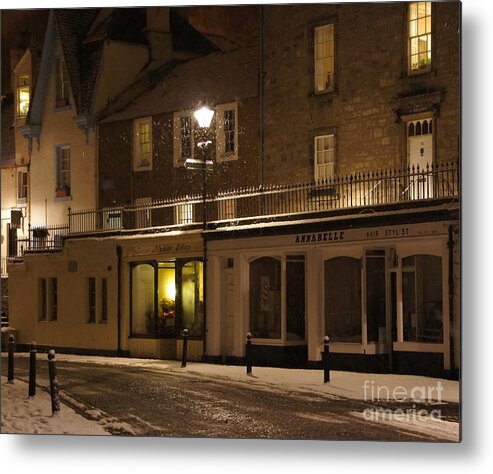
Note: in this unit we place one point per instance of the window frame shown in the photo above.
(283, 260)
(316, 61)
(316, 165)
(23, 87)
(22, 187)
(62, 84)
(428, 67)
(63, 185)
(221, 154)
(186, 210)
(91, 300)
(139, 163)
(178, 158)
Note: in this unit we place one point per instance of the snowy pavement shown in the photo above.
(412, 399)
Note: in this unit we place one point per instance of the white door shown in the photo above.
(420, 150)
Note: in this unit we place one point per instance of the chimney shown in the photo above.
(158, 33)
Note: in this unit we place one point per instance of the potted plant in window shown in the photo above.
(62, 191)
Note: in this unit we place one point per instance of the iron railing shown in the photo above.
(42, 238)
(342, 192)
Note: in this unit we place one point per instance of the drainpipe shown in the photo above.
(118, 304)
(451, 288)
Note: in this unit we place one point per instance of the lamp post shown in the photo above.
(204, 118)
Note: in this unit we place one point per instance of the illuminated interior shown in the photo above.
(23, 96)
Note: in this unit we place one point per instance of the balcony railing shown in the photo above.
(42, 238)
(275, 201)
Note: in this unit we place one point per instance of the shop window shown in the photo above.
(166, 324)
(375, 296)
(62, 84)
(325, 158)
(23, 96)
(419, 36)
(422, 298)
(183, 142)
(142, 144)
(265, 298)
(192, 298)
(143, 313)
(324, 58)
(227, 132)
(343, 299)
(63, 172)
(295, 298)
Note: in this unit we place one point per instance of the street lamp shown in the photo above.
(204, 119)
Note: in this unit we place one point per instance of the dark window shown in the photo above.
(295, 298)
(104, 300)
(92, 299)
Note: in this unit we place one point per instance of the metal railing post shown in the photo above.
(11, 359)
(185, 348)
(248, 353)
(325, 360)
(55, 399)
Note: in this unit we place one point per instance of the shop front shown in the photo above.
(381, 294)
(165, 280)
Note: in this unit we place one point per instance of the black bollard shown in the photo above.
(11, 359)
(184, 333)
(248, 353)
(325, 360)
(32, 370)
(55, 399)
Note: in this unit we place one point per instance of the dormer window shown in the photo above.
(62, 84)
(23, 96)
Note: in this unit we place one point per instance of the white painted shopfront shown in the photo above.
(373, 290)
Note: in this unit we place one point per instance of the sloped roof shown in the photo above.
(72, 26)
(8, 136)
(216, 78)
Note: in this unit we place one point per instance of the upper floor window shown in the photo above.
(325, 157)
(227, 132)
(143, 144)
(62, 84)
(184, 213)
(324, 58)
(21, 186)
(23, 96)
(183, 143)
(63, 171)
(419, 36)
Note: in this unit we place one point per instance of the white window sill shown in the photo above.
(63, 198)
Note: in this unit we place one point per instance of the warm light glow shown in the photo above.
(171, 289)
(204, 116)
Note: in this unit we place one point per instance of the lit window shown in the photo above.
(184, 214)
(419, 19)
(227, 132)
(22, 186)
(62, 84)
(143, 144)
(63, 171)
(324, 58)
(23, 96)
(324, 157)
(183, 142)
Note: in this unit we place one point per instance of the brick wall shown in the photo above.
(372, 87)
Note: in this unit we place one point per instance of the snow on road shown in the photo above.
(23, 415)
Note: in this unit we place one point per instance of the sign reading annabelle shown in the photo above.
(319, 237)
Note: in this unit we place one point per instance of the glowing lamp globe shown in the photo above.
(204, 116)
